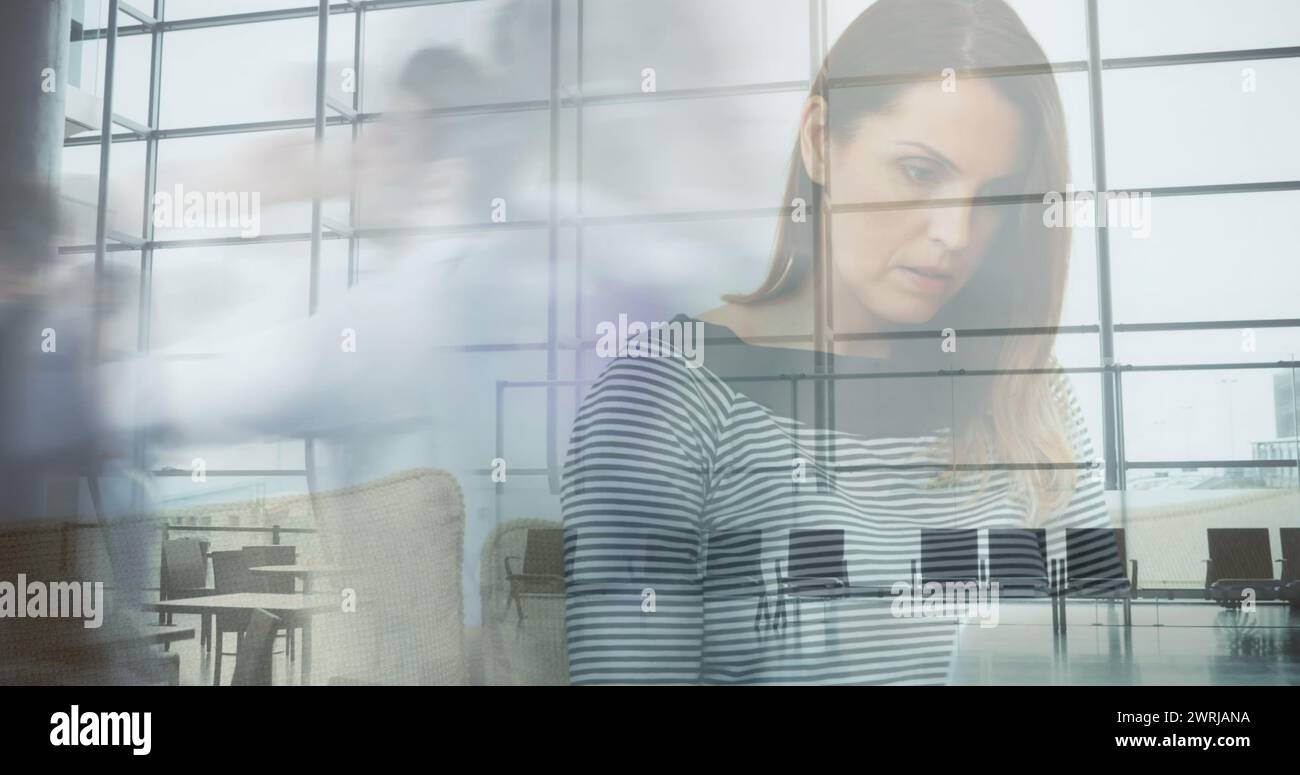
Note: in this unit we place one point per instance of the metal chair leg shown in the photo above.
(216, 663)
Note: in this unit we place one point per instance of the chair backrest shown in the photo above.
(531, 652)
(1095, 560)
(230, 574)
(950, 554)
(816, 554)
(272, 554)
(1290, 552)
(1239, 553)
(253, 656)
(544, 552)
(1018, 555)
(735, 559)
(183, 564)
(400, 540)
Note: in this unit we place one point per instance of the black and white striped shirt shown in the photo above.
(696, 499)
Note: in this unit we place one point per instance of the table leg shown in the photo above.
(306, 637)
(306, 651)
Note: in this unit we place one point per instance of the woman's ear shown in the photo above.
(813, 138)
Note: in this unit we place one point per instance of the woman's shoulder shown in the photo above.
(651, 369)
(665, 380)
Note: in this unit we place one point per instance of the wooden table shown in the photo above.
(304, 572)
(294, 608)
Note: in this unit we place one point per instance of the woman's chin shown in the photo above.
(911, 314)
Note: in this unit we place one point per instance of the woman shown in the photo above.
(740, 523)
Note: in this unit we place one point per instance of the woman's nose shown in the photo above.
(950, 224)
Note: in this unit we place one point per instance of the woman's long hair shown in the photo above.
(890, 47)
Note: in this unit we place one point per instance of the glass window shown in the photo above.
(274, 76)
(1230, 257)
(1199, 124)
(668, 186)
(1156, 27)
(691, 45)
(1199, 415)
(203, 297)
(478, 53)
(196, 9)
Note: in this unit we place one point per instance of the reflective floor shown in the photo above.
(1182, 642)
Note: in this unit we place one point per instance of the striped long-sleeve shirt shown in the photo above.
(716, 533)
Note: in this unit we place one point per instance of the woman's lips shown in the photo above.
(923, 281)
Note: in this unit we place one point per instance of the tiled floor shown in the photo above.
(1192, 643)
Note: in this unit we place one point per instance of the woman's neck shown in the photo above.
(793, 314)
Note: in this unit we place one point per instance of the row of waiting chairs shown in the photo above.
(1096, 565)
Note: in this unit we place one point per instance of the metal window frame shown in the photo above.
(329, 112)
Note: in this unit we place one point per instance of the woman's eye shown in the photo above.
(919, 171)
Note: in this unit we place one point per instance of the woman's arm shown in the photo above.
(635, 485)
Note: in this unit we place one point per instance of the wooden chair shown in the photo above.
(231, 575)
(531, 653)
(253, 656)
(183, 573)
(275, 554)
(543, 568)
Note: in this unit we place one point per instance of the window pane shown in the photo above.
(266, 172)
(1165, 527)
(243, 501)
(80, 191)
(1200, 415)
(1008, 257)
(657, 270)
(1154, 27)
(496, 296)
(514, 37)
(524, 408)
(688, 155)
(692, 45)
(1233, 345)
(477, 169)
(274, 77)
(1195, 124)
(1058, 27)
(88, 64)
(1086, 389)
(194, 9)
(202, 297)
(1228, 257)
(79, 195)
(1268, 475)
(281, 455)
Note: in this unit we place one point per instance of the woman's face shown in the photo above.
(902, 265)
